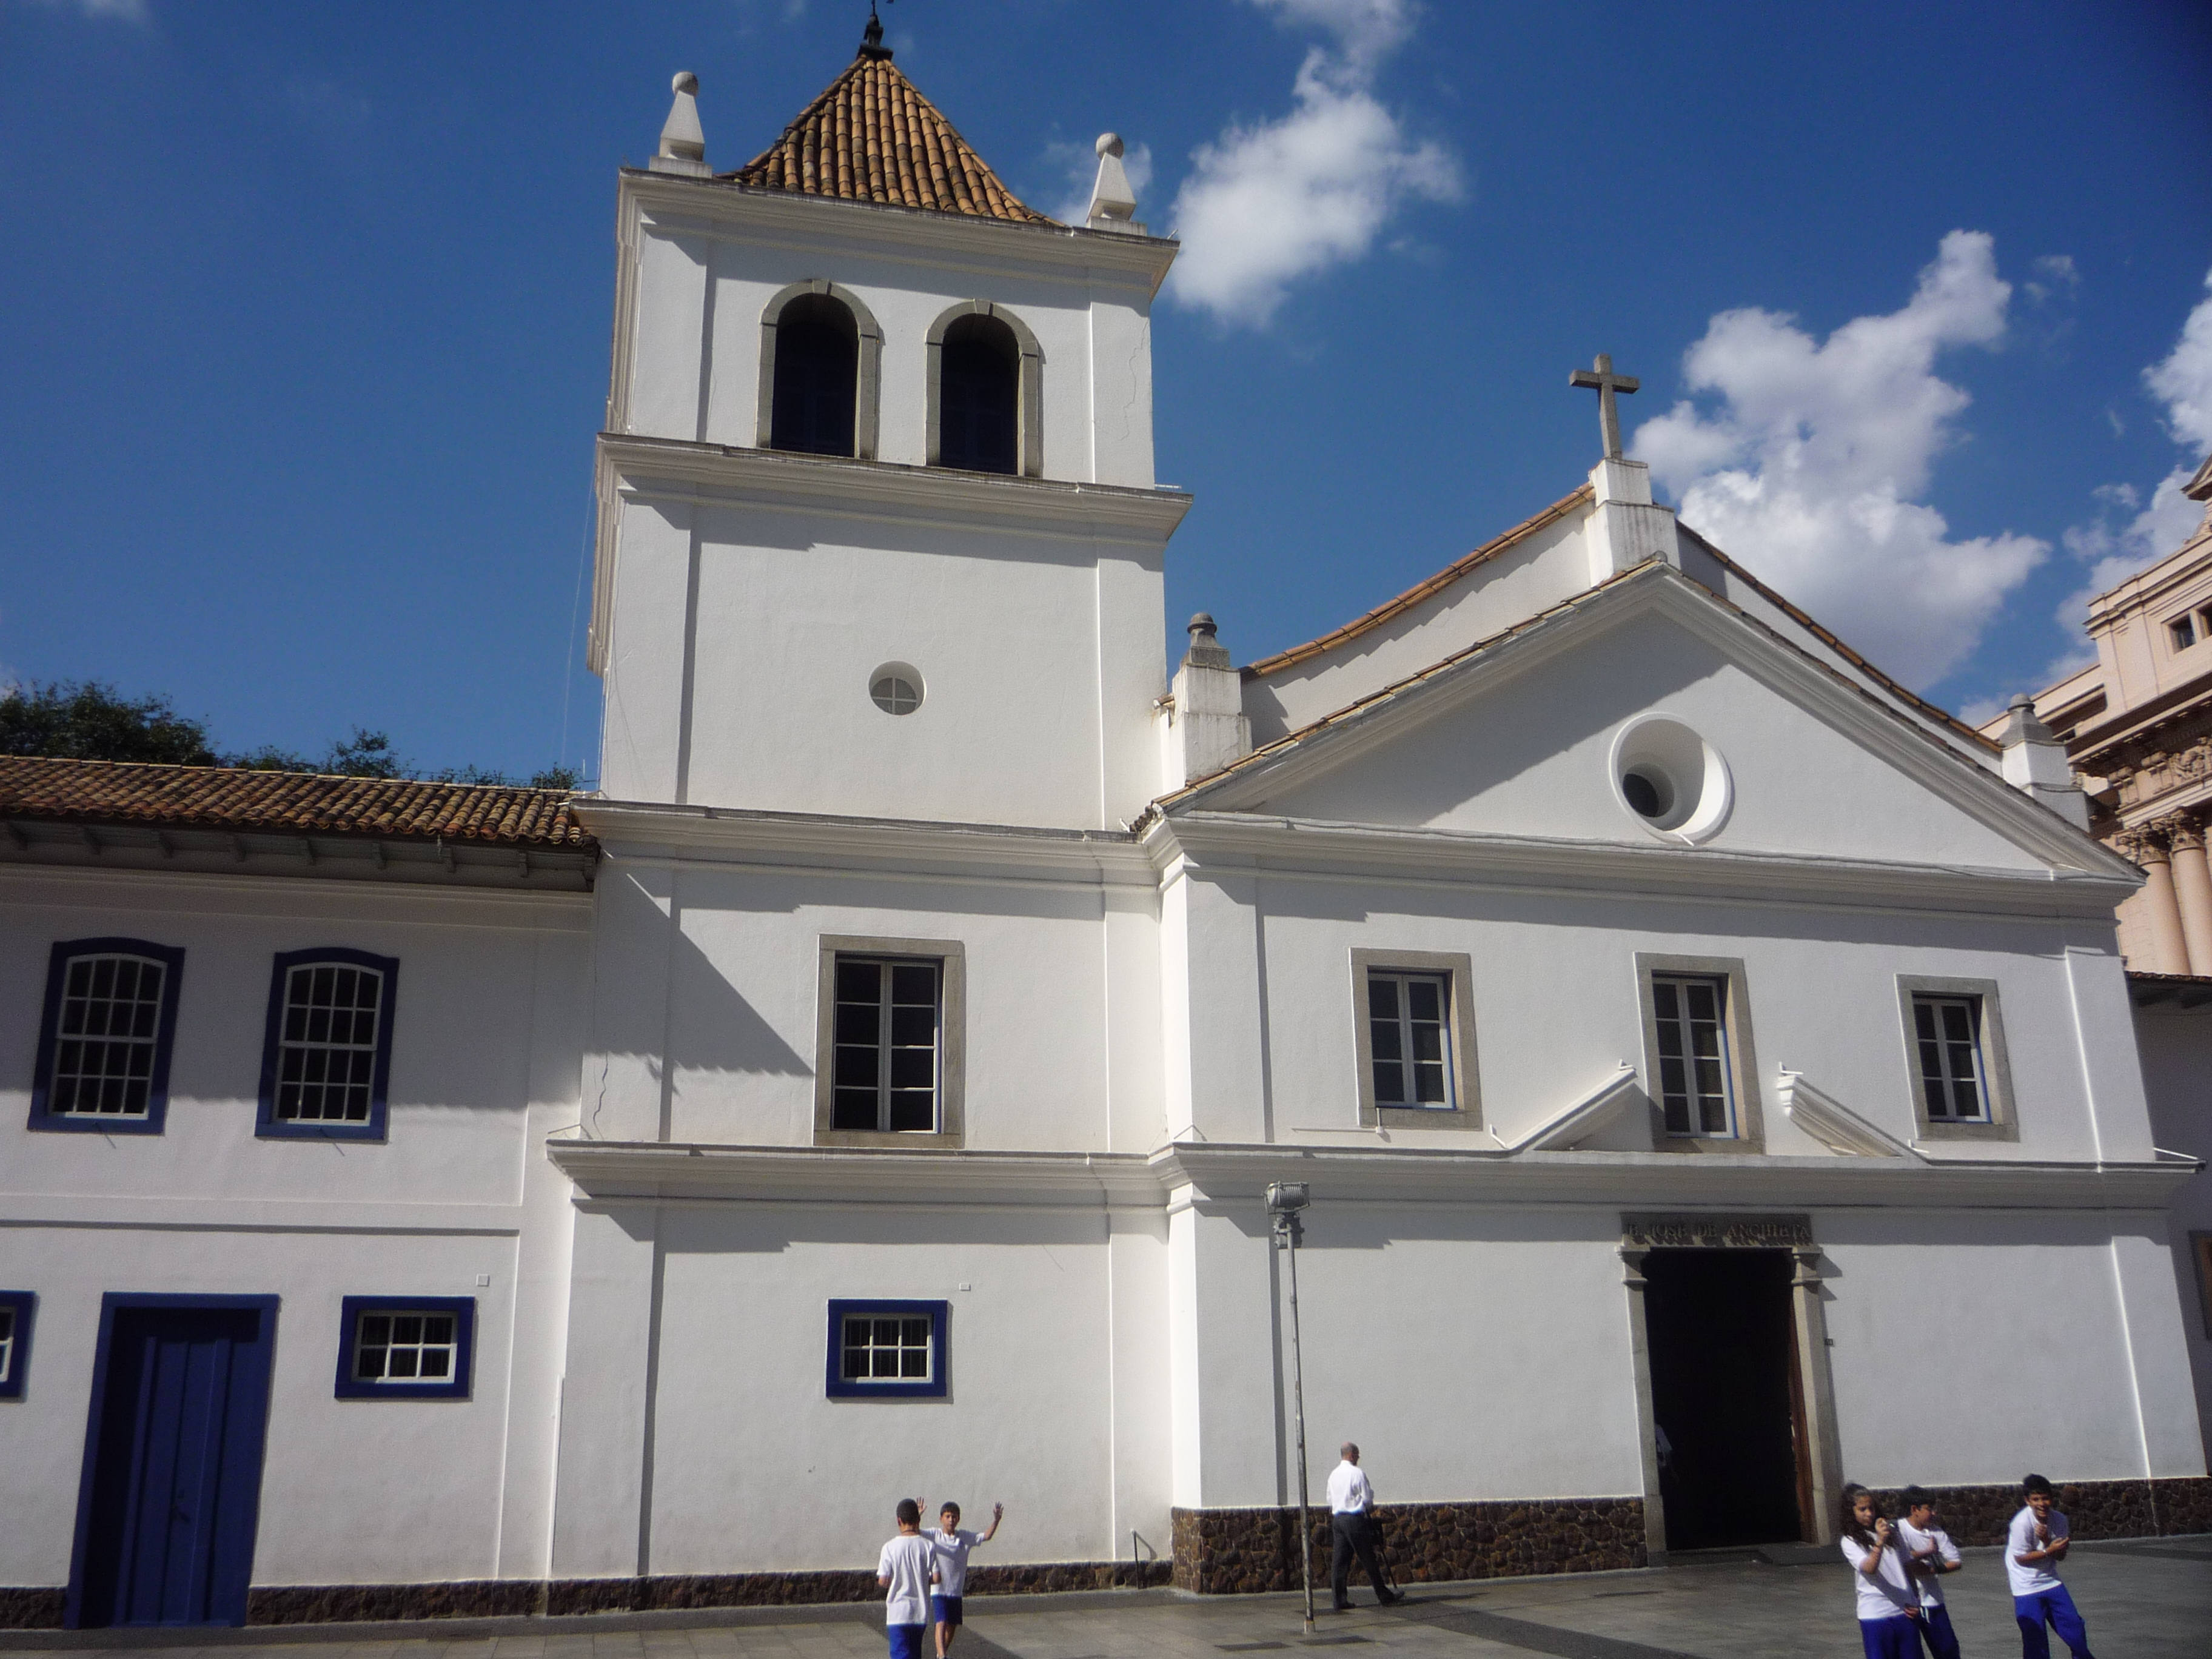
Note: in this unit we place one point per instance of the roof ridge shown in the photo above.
(872, 135)
(1421, 590)
(247, 772)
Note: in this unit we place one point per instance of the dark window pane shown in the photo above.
(1382, 997)
(436, 1362)
(913, 1068)
(914, 1362)
(1389, 1082)
(1423, 999)
(979, 396)
(859, 981)
(816, 377)
(913, 982)
(913, 1111)
(857, 1068)
(1430, 1079)
(915, 1025)
(858, 1022)
(853, 1108)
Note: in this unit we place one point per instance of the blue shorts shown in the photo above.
(945, 1609)
(906, 1640)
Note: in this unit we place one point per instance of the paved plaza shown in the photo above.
(2151, 1599)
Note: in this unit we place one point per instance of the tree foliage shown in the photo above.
(89, 720)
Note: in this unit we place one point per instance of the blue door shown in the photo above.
(171, 1486)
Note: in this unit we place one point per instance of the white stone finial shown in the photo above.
(682, 142)
(1113, 204)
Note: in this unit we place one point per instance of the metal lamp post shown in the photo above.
(1285, 1200)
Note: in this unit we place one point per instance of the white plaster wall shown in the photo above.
(1531, 755)
(1557, 1008)
(352, 1490)
(756, 1469)
(2176, 1062)
(1473, 1352)
(487, 1042)
(706, 1022)
(1976, 1347)
(1040, 658)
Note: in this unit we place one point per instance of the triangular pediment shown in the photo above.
(1758, 748)
(870, 137)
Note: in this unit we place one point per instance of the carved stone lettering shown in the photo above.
(1668, 1233)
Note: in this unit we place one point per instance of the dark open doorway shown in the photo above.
(1725, 1392)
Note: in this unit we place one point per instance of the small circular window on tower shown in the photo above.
(897, 688)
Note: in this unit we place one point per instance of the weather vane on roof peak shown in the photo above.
(872, 38)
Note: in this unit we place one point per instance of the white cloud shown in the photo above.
(1808, 467)
(1273, 201)
(2055, 276)
(2126, 534)
(1079, 165)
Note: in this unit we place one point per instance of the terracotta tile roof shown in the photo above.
(1580, 497)
(871, 138)
(223, 797)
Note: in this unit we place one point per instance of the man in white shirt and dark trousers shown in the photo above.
(1351, 1522)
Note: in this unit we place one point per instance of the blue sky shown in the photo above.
(304, 311)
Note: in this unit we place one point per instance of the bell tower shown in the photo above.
(877, 531)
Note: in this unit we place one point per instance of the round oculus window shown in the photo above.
(895, 688)
(1673, 782)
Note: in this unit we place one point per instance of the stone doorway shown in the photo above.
(1739, 1355)
(1718, 1328)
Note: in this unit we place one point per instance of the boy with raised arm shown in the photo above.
(953, 1544)
(2034, 1545)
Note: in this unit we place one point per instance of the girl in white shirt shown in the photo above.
(1888, 1601)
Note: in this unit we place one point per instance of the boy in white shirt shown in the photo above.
(1931, 1553)
(953, 1544)
(2034, 1544)
(903, 1570)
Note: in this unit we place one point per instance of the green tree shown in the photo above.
(86, 720)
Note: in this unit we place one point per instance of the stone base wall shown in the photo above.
(2093, 1509)
(1243, 1551)
(32, 1609)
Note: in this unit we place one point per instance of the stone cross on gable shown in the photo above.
(1606, 383)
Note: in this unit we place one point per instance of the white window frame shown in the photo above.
(1464, 1105)
(1746, 1128)
(1989, 1040)
(950, 960)
(450, 1347)
(151, 1044)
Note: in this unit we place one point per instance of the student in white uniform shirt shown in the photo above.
(1932, 1554)
(1881, 1573)
(1351, 1522)
(953, 1544)
(2036, 1543)
(903, 1570)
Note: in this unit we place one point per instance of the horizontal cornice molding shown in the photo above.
(1234, 1178)
(721, 208)
(730, 475)
(861, 846)
(244, 1215)
(1241, 843)
(617, 1169)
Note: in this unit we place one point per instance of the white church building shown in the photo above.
(421, 1199)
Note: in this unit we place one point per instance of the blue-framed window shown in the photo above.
(105, 1036)
(17, 1309)
(406, 1347)
(326, 1055)
(887, 1350)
